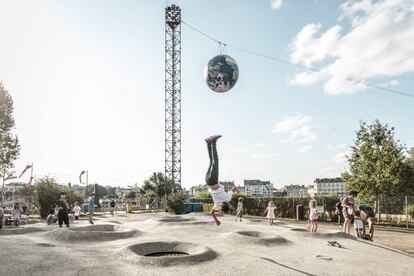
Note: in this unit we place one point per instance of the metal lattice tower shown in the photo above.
(173, 93)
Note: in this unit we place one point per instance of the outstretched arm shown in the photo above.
(213, 214)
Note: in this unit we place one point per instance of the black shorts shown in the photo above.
(76, 217)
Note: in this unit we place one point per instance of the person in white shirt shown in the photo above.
(358, 224)
(219, 195)
(76, 211)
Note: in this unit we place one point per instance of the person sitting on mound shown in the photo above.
(219, 195)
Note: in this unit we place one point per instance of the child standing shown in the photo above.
(16, 214)
(239, 212)
(358, 224)
(76, 211)
(270, 210)
(313, 216)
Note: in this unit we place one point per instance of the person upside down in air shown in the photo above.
(219, 195)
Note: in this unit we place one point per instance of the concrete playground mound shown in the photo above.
(21, 231)
(168, 253)
(95, 233)
(257, 237)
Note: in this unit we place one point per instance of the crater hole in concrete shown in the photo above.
(170, 253)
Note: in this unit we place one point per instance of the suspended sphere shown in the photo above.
(221, 73)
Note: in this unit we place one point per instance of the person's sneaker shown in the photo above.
(212, 139)
(215, 138)
(91, 222)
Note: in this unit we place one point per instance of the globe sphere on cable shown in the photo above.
(221, 73)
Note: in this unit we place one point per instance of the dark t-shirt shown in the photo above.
(367, 210)
(63, 204)
(338, 205)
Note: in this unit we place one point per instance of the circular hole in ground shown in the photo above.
(42, 244)
(169, 253)
(166, 253)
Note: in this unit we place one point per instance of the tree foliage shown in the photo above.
(175, 201)
(377, 164)
(157, 185)
(48, 192)
(9, 143)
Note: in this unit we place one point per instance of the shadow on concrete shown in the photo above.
(288, 267)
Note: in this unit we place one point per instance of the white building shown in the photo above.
(195, 190)
(324, 186)
(258, 188)
(295, 190)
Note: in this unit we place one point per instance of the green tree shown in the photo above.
(47, 193)
(9, 143)
(157, 185)
(377, 163)
(100, 191)
(28, 193)
(131, 195)
(175, 201)
(72, 196)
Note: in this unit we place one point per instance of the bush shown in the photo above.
(175, 202)
(48, 193)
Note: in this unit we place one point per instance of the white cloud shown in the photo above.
(340, 158)
(297, 127)
(337, 146)
(277, 4)
(265, 155)
(305, 149)
(378, 44)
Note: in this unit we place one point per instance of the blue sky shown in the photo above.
(87, 78)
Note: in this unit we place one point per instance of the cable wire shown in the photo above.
(299, 65)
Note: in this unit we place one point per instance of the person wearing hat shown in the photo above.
(63, 206)
(91, 205)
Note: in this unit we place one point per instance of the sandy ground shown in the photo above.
(248, 248)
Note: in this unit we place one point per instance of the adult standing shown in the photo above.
(91, 207)
(348, 208)
(338, 210)
(63, 206)
(112, 206)
(368, 216)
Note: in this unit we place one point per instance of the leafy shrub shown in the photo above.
(48, 193)
(175, 202)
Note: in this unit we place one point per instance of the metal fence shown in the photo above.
(395, 211)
